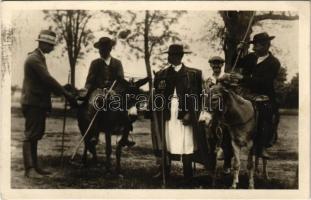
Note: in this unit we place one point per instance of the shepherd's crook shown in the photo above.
(91, 123)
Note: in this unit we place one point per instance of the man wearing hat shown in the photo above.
(36, 100)
(259, 71)
(180, 86)
(102, 73)
(216, 63)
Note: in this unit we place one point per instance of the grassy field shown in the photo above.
(139, 163)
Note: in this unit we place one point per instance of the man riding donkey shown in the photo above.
(258, 71)
(36, 103)
(102, 73)
(176, 98)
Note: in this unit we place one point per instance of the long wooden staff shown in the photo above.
(243, 41)
(91, 123)
(64, 126)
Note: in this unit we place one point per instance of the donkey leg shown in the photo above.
(108, 151)
(92, 148)
(236, 165)
(84, 156)
(257, 165)
(250, 167)
(118, 160)
(264, 169)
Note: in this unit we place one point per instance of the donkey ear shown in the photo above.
(141, 82)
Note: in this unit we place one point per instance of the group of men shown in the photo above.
(176, 82)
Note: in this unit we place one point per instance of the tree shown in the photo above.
(236, 23)
(292, 95)
(281, 86)
(144, 31)
(71, 26)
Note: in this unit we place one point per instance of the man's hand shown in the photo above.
(112, 93)
(83, 92)
(186, 119)
(241, 46)
(225, 77)
(71, 99)
(236, 76)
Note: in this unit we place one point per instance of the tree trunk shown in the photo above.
(72, 70)
(236, 24)
(154, 121)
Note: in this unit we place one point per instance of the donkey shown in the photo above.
(238, 115)
(116, 113)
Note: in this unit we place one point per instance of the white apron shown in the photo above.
(179, 138)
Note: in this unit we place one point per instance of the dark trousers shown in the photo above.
(34, 130)
(264, 135)
(187, 160)
(187, 166)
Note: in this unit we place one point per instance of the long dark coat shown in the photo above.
(188, 83)
(259, 78)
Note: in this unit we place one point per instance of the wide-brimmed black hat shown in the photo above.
(104, 41)
(216, 59)
(261, 38)
(176, 49)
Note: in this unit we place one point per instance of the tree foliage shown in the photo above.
(144, 32)
(71, 26)
(235, 28)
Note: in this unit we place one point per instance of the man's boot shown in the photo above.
(187, 167)
(30, 171)
(34, 151)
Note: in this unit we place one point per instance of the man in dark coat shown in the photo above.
(102, 73)
(179, 87)
(36, 100)
(259, 71)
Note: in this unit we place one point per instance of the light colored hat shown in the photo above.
(47, 36)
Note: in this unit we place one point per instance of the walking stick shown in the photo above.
(243, 41)
(91, 123)
(163, 151)
(64, 127)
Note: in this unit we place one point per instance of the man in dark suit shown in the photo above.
(259, 71)
(180, 88)
(36, 100)
(102, 73)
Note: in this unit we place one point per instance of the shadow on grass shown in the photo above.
(137, 175)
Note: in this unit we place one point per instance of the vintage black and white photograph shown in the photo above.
(150, 98)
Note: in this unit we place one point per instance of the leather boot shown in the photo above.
(30, 171)
(187, 166)
(27, 156)
(34, 152)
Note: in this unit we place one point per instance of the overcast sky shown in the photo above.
(28, 24)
